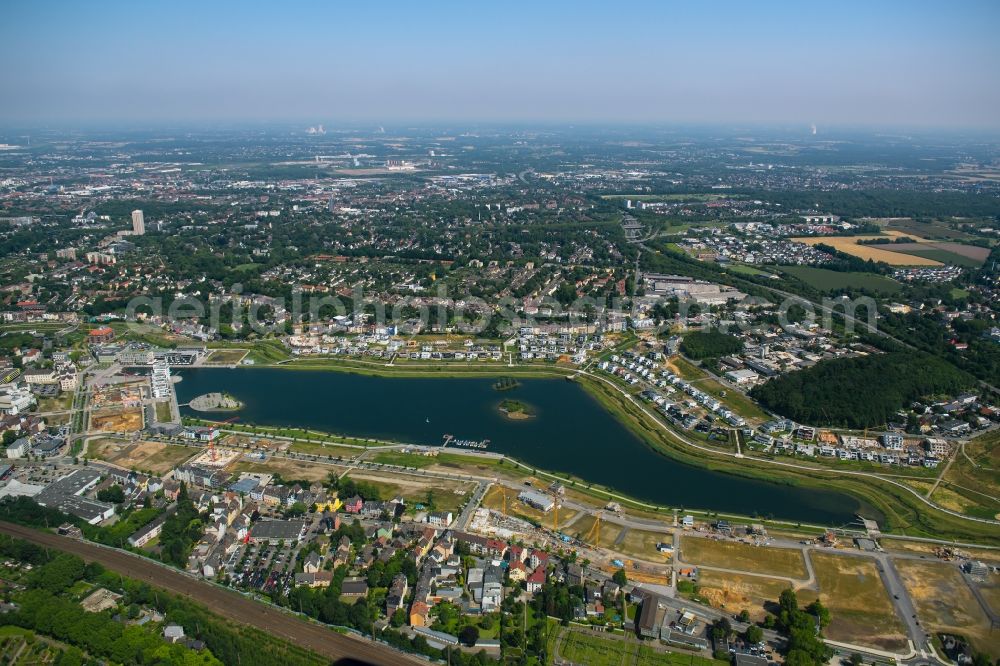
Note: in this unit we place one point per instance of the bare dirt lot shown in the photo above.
(786, 562)
(860, 607)
(736, 592)
(128, 420)
(945, 603)
(152, 456)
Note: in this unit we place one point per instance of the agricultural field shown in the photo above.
(860, 608)
(735, 592)
(786, 562)
(827, 280)
(945, 603)
(909, 227)
(850, 245)
(155, 457)
(954, 254)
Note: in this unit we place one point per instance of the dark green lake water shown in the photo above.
(570, 432)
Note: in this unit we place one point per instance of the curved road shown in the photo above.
(223, 602)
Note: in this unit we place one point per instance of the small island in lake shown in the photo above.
(216, 402)
(516, 410)
(506, 384)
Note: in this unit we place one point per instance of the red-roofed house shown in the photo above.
(538, 558)
(102, 334)
(418, 614)
(536, 579)
(518, 571)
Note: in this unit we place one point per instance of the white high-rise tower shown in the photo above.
(138, 224)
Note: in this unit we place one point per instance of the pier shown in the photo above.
(466, 443)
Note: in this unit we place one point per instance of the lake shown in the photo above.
(569, 432)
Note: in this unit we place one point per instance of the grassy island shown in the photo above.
(516, 410)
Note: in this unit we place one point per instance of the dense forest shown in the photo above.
(710, 344)
(859, 392)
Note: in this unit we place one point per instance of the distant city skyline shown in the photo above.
(849, 63)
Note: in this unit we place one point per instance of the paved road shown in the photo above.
(223, 602)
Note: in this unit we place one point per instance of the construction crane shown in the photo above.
(595, 531)
(211, 442)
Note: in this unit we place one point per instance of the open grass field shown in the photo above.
(324, 450)
(642, 544)
(827, 280)
(163, 411)
(61, 403)
(288, 469)
(225, 356)
(945, 603)
(605, 536)
(785, 562)
(860, 608)
(975, 475)
(736, 401)
(850, 245)
(743, 269)
(155, 457)
(735, 592)
(685, 369)
(594, 650)
(991, 592)
(447, 495)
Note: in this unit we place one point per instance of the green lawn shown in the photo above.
(163, 411)
(733, 399)
(746, 270)
(596, 650)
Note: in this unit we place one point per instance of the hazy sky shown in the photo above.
(748, 61)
